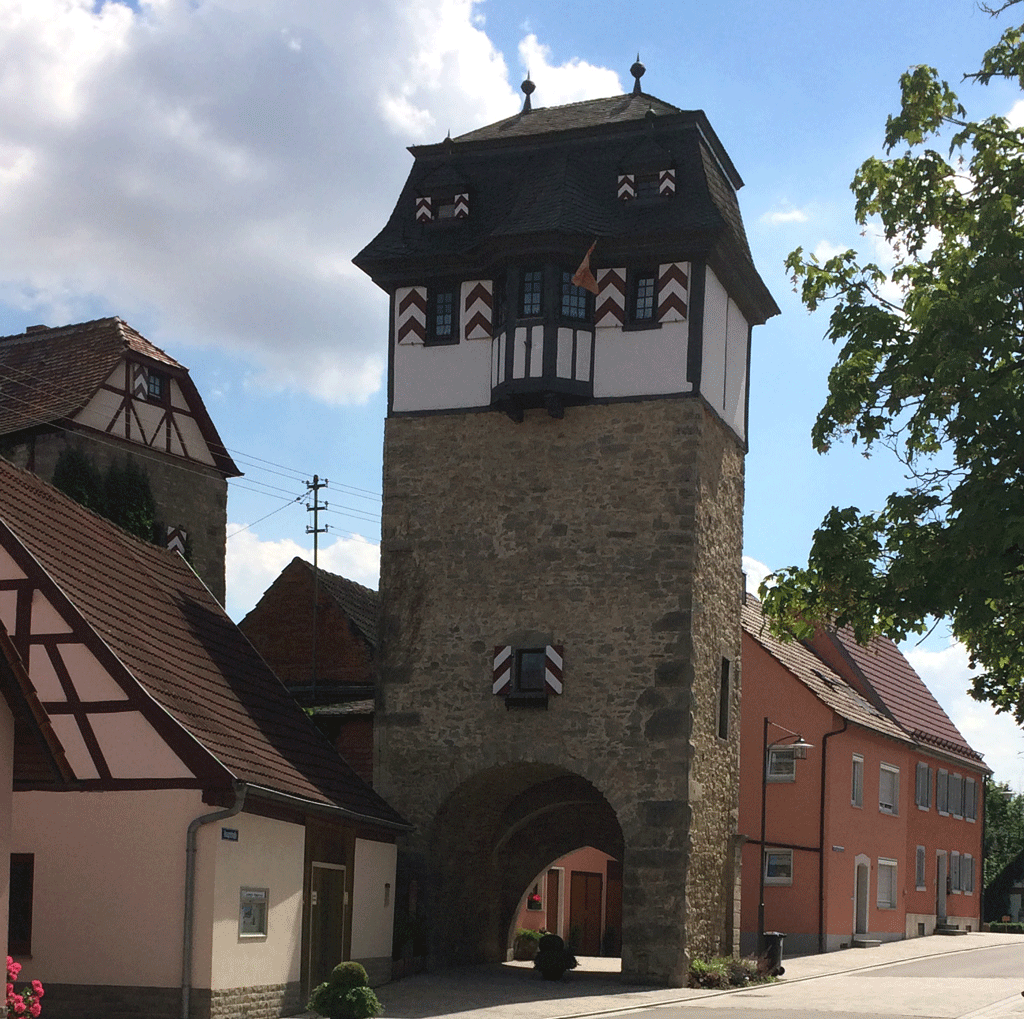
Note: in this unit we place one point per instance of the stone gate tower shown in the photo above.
(563, 501)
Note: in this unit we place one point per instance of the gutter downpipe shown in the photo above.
(191, 838)
(821, 837)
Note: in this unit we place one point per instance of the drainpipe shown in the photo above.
(191, 838)
(821, 838)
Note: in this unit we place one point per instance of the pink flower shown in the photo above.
(34, 1009)
(37, 988)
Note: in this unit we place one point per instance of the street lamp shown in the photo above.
(799, 746)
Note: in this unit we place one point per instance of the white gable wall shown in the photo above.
(268, 854)
(724, 365)
(373, 899)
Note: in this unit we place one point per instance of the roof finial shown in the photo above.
(527, 87)
(637, 70)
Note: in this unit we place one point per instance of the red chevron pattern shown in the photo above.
(627, 186)
(461, 206)
(140, 382)
(611, 298)
(673, 292)
(477, 306)
(424, 213)
(667, 182)
(411, 314)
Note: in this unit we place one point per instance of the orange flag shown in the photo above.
(583, 277)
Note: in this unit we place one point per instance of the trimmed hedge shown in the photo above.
(1007, 928)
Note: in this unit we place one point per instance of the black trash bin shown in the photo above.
(773, 953)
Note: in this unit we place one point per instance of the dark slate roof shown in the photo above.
(544, 183)
(896, 686)
(827, 685)
(360, 604)
(160, 621)
(48, 375)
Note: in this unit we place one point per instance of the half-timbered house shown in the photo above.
(217, 845)
(103, 389)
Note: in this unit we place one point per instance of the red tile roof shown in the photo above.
(169, 632)
(891, 682)
(48, 375)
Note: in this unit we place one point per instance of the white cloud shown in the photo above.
(787, 216)
(214, 165)
(825, 250)
(570, 82)
(1016, 114)
(755, 572)
(947, 674)
(253, 565)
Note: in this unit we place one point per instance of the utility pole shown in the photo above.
(316, 530)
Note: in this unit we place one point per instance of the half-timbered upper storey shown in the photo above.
(105, 378)
(480, 253)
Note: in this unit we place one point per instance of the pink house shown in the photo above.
(876, 834)
(185, 842)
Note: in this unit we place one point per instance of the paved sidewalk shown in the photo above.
(515, 991)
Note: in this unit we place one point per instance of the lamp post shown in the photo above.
(799, 747)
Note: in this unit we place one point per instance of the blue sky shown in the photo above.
(206, 169)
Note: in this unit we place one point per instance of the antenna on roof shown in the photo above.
(637, 70)
(528, 89)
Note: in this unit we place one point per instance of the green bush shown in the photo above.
(721, 973)
(529, 935)
(1007, 928)
(345, 995)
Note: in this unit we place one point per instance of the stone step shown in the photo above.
(865, 943)
(948, 930)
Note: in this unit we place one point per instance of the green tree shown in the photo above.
(76, 475)
(930, 367)
(1004, 828)
(128, 499)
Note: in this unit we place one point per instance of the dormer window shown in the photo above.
(156, 387)
(647, 184)
(444, 207)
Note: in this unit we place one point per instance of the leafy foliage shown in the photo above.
(930, 367)
(346, 995)
(1004, 828)
(76, 476)
(723, 972)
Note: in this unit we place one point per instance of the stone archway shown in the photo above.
(490, 839)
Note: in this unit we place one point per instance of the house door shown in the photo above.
(553, 898)
(326, 921)
(861, 899)
(585, 910)
(941, 875)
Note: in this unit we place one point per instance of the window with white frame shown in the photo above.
(781, 765)
(970, 799)
(252, 912)
(889, 789)
(778, 866)
(967, 873)
(942, 791)
(923, 786)
(956, 795)
(857, 785)
(919, 869)
(886, 884)
(954, 872)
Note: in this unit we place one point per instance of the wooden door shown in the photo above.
(861, 895)
(585, 891)
(553, 899)
(326, 921)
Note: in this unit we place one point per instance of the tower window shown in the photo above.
(723, 701)
(574, 299)
(529, 674)
(643, 300)
(532, 292)
(156, 387)
(443, 323)
(647, 184)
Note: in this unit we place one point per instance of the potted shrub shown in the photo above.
(524, 947)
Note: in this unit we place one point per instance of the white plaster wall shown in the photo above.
(196, 447)
(442, 377)
(109, 884)
(645, 362)
(373, 906)
(268, 854)
(724, 361)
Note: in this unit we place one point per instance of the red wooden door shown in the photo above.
(585, 910)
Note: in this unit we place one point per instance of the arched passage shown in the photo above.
(490, 839)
